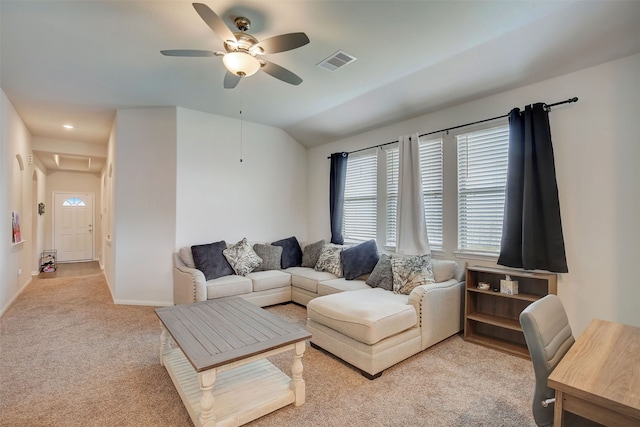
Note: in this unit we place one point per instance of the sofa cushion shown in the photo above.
(211, 261)
(411, 271)
(291, 252)
(327, 287)
(242, 258)
(271, 279)
(311, 253)
(360, 259)
(187, 257)
(227, 286)
(330, 259)
(382, 275)
(308, 278)
(271, 256)
(368, 315)
(443, 269)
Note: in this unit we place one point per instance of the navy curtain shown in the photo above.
(532, 230)
(337, 178)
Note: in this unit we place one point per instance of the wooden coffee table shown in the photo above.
(218, 363)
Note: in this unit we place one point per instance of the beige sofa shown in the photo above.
(370, 328)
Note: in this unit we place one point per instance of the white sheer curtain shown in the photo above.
(411, 228)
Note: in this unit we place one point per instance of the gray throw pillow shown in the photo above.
(382, 275)
(271, 256)
(211, 261)
(311, 254)
(291, 252)
(359, 259)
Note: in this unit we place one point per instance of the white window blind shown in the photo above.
(482, 177)
(431, 169)
(360, 198)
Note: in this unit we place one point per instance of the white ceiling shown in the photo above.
(79, 61)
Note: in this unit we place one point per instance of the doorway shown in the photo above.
(73, 217)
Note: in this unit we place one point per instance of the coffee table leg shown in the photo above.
(207, 380)
(165, 343)
(297, 383)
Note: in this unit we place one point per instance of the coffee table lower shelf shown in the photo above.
(241, 394)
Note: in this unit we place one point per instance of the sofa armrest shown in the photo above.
(189, 285)
(439, 307)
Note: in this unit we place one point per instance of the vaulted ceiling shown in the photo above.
(79, 61)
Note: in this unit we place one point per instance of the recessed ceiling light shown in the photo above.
(67, 126)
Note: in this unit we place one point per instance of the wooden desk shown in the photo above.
(599, 377)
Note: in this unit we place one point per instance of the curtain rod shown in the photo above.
(546, 107)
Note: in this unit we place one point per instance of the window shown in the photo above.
(482, 177)
(431, 170)
(361, 198)
(73, 201)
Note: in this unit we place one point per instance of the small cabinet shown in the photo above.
(491, 318)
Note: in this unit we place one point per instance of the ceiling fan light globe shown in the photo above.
(241, 64)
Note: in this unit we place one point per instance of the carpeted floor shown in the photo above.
(70, 357)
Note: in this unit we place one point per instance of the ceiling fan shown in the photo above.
(242, 49)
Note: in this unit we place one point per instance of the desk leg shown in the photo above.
(207, 379)
(165, 343)
(558, 411)
(297, 383)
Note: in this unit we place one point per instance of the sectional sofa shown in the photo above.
(361, 321)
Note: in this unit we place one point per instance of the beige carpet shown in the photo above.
(70, 357)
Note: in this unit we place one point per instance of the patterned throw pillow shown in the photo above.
(242, 257)
(270, 255)
(409, 272)
(311, 253)
(330, 259)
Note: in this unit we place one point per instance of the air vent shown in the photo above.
(337, 60)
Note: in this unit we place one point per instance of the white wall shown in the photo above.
(16, 195)
(596, 153)
(218, 197)
(144, 206)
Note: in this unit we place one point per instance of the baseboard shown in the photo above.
(144, 303)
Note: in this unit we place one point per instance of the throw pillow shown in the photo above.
(359, 259)
(311, 254)
(187, 257)
(330, 259)
(382, 275)
(211, 261)
(271, 256)
(242, 258)
(291, 252)
(411, 271)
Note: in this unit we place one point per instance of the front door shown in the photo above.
(73, 226)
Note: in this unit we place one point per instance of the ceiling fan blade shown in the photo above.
(214, 22)
(231, 80)
(280, 73)
(283, 42)
(187, 52)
